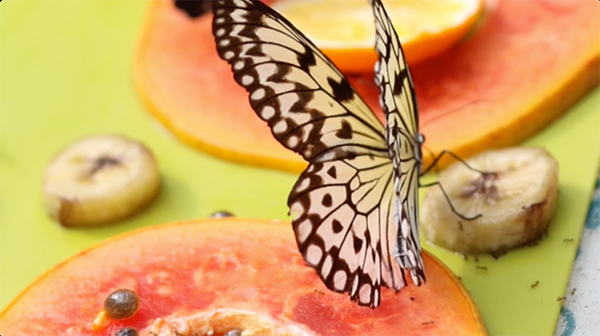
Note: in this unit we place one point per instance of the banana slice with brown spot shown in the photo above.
(517, 201)
(100, 179)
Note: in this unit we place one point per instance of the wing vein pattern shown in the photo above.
(345, 203)
(398, 101)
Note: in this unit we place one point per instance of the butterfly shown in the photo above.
(355, 207)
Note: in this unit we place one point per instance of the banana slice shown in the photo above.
(100, 179)
(516, 201)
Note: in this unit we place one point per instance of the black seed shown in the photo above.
(332, 172)
(193, 8)
(127, 331)
(342, 91)
(337, 226)
(357, 244)
(234, 332)
(345, 132)
(121, 304)
(327, 200)
(221, 214)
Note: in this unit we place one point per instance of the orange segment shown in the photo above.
(346, 33)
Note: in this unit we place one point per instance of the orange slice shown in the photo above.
(344, 30)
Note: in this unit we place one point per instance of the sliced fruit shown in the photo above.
(100, 179)
(526, 64)
(216, 275)
(516, 199)
(346, 34)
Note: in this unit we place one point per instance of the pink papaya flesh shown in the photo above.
(227, 274)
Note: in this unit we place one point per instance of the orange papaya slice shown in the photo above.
(225, 274)
(524, 66)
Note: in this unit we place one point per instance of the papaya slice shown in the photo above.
(525, 65)
(225, 274)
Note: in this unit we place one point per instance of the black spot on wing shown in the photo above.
(337, 226)
(399, 81)
(306, 60)
(345, 132)
(342, 91)
(332, 172)
(327, 200)
(358, 243)
(193, 8)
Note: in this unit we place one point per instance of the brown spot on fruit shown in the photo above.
(535, 219)
(99, 164)
(484, 185)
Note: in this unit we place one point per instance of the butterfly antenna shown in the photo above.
(448, 200)
(454, 110)
(362, 80)
(432, 156)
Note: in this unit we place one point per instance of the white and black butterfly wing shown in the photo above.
(343, 202)
(309, 105)
(398, 101)
(345, 227)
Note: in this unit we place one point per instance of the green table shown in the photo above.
(65, 72)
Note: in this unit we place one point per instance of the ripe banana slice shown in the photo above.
(516, 201)
(100, 179)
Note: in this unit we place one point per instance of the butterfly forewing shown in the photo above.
(309, 105)
(344, 202)
(398, 101)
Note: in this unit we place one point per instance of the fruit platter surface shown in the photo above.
(59, 83)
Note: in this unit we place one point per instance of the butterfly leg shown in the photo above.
(434, 165)
(445, 151)
(448, 200)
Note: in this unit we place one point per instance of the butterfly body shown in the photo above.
(355, 206)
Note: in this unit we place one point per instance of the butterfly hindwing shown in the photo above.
(399, 103)
(345, 225)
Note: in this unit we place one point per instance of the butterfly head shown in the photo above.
(420, 139)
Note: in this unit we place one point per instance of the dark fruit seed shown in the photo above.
(193, 8)
(234, 332)
(121, 304)
(127, 331)
(221, 214)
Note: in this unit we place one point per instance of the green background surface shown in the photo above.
(66, 72)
